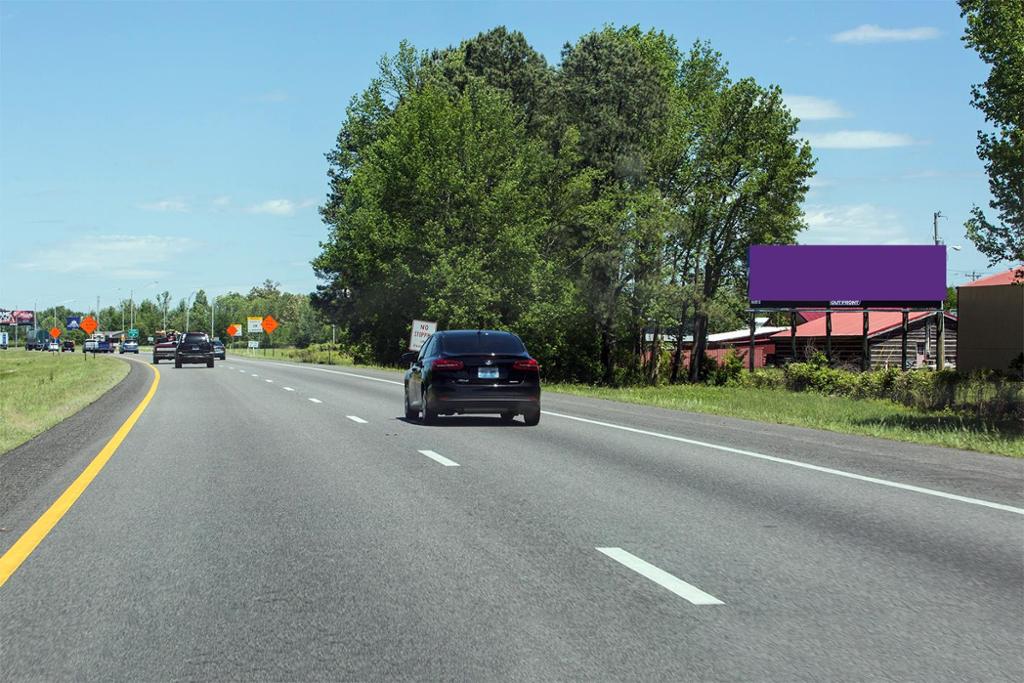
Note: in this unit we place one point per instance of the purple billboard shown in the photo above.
(819, 275)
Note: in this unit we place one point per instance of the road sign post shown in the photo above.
(269, 325)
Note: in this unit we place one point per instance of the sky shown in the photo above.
(180, 146)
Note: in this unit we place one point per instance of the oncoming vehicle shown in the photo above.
(472, 372)
(193, 347)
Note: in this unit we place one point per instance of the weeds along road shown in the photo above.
(272, 521)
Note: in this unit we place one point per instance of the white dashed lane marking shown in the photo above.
(440, 458)
(661, 577)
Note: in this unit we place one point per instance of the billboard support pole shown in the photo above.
(940, 344)
(865, 362)
(753, 327)
(903, 343)
(828, 334)
(792, 334)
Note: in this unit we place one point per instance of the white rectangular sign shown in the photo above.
(255, 324)
(254, 343)
(421, 331)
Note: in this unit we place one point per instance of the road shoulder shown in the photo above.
(35, 473)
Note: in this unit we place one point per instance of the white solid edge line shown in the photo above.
(356, 419)
(440, 458)
(661, 577)
(752, 454)
(336, 372)
(316, 400)
(797, 463)
(287, 388)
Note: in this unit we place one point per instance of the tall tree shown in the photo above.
(995, 29)
(615, 89)
(737, 172)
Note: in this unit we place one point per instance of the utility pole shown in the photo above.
(940, 321)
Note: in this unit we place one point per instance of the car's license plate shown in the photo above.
(195, 348)
(487, 373)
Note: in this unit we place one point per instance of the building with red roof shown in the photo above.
(884, 335)
(991, 312)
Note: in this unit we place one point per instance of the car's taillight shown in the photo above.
(446, 365)
(528, 365)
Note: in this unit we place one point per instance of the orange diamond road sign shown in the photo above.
(269, 324)
(54, 332)
(88, 324)
(231, 330)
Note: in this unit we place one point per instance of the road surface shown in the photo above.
(264, 520)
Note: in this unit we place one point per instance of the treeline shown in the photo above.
(300, 325)
(588, 206)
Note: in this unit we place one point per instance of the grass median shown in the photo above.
(39, 389)
(869, 417)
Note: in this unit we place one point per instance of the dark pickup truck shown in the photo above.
(193, 347)
(164, 347)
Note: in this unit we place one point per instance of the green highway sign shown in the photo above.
(133, 333)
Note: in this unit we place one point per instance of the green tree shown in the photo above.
(995, 29)
(440, 218)
(737, 172)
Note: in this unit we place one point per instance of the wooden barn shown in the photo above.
(885, 334)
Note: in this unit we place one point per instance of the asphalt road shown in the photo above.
(278, 522)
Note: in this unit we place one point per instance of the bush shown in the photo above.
(724, 374)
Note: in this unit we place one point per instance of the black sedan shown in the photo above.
(470, 372)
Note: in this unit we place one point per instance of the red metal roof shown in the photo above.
(851, 324)
(1007, 277)
(808, 316)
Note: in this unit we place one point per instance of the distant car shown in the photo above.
(164, 347)
(193, 347)
(68, 345)
(218, 349)
(472, 371)
(129, 347)
(53, 346)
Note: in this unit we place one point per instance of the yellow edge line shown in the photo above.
(24, 546)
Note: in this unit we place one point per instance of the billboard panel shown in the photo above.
(819, 275)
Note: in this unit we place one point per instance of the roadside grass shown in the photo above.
(870, 417)
(293, 355)
(38, 390)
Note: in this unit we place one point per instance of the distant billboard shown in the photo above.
(789, 276)
(17, 317)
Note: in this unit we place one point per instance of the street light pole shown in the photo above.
(940, 321)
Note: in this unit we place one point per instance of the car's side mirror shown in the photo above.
(408, 357)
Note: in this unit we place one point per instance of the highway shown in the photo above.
(271, 521)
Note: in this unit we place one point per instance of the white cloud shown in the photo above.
(221, 202)
(119, 256)
(276, 207)
(852, 224)
(281, 207)
(809, 108)
(872, 33)
(859, 139)
(173, 205)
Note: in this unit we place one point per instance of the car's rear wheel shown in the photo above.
(410, 414)
(429, 414)
(209, 363)
(177, 363)
(508, 416)
(156, 361)
(532, 417)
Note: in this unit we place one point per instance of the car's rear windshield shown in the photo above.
(192, 338)
(482, 343)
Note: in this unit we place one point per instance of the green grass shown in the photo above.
(38, 390)
(310, 355)
(870, 417)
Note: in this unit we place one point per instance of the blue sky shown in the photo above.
(177, 146)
